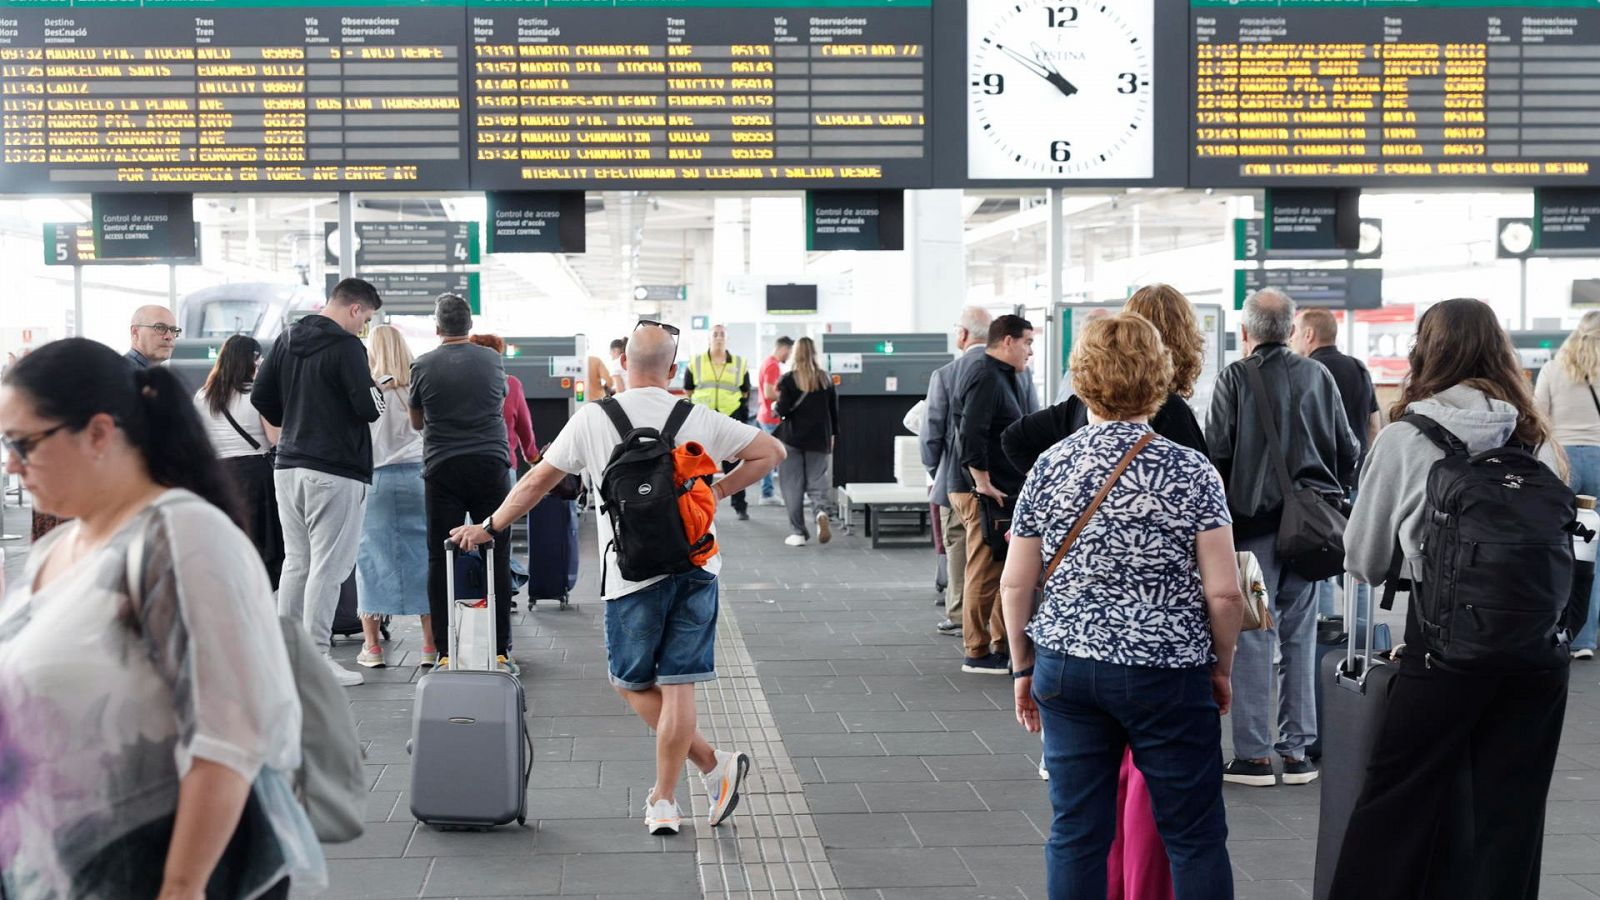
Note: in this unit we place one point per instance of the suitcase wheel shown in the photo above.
(522, 820)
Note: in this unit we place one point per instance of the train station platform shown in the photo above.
(882, 772)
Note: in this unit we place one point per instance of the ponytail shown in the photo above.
(75, 379)
(177, 452)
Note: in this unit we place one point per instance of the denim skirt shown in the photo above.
(392, 565)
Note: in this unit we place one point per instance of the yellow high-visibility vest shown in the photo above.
(717, 387)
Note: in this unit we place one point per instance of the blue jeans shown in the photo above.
(766, 480)
(1326, 606)
(1294, 630)
(1585, 479)
(664, 633)
(1091, 711)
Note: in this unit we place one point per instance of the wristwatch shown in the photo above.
(1021, 673)
(488, 525)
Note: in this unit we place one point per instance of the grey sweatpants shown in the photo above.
(802, 473)
(321, 519)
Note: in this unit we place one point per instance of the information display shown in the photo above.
(1411, 92)
(230, 95)
(731, 94)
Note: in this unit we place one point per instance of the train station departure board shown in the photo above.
(732, 94)
(1411, 92)
(230, 95)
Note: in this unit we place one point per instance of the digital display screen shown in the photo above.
(791, 299)
(230, 95)
(1410, 92)
(736, 94)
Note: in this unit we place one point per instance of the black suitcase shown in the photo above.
(552, 550)
(1355, 687)
(346, 621)
(1331, 643)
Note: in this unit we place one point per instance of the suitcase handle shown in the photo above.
(1349, 676)
(455, 607)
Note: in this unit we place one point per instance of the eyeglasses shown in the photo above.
(22, 447)
(160, 328)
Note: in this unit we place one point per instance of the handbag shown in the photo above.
(996, 518)
(1311, 531)
(1083, 520)
(1253, 585)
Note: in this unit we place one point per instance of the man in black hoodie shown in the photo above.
(316, 386)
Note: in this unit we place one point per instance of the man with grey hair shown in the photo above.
(152, 333)
(458, 394)
(938, 445)
(1301, 400)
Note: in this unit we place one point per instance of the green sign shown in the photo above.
(414, 293)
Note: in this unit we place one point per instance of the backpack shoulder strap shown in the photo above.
(613, 411)
(1442, 437)
(680, 415)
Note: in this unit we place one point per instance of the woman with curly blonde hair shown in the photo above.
(1567, 397)
(1165, 307)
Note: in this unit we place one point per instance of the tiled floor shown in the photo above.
(883, 772)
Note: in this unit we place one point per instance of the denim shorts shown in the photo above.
(663, 634)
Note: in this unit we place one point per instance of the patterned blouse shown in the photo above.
(1128, 592)
(105, 704)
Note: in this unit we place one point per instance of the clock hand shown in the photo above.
(1031, 65)
(1053, 75)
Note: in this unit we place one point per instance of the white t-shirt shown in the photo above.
(586, 443)
(224, 439)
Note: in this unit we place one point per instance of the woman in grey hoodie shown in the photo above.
(1409, 824)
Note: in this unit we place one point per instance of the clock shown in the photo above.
(1060, 91)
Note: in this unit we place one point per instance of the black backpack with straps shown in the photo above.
(639, 494)
(1497, 564)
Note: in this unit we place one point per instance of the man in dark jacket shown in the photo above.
(937, 444)
(989, 397)
(1303, 403)
(316, 386)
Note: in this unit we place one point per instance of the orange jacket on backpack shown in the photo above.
(696, 504)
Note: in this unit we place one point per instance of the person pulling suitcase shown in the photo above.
(659, 580)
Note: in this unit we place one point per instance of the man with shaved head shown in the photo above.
(659, 631)
(152, 331)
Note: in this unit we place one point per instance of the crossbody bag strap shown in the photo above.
(1258, 390)
(254, 444)
(1105, 490)
(1592, 395)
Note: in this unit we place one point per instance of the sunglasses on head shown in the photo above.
(669, 329)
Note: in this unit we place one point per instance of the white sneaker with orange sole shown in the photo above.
(723, 783)
(662, 816)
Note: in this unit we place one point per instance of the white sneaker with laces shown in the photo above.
(795, 540)
(723, 783)
(345, 677)
(1585, 653)
(662, 816)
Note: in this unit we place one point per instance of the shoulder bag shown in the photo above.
(254, 444)
(1083, 520)
(1311, 532)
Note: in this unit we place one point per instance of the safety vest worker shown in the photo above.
(720, 380)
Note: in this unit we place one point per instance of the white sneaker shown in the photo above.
(723, 783)
(795, 540)
(371, 657)
(1585, 653)
(345, 677)
(770, 501)
(662, 816)
(824, 533)
(1044, 774)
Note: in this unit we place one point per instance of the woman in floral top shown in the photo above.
(1133, 643)
(148, 717)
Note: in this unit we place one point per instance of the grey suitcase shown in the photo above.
(1355, 698)
(470, 750)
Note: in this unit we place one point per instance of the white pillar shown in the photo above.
(936, 257)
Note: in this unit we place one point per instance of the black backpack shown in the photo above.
(639, 493)
(1497, 564)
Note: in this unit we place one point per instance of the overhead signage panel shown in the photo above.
(416, 293)
(137, 227)
(1335, 288)
(1330, 92)
(537, 222)
(438, 243)
(719, 95)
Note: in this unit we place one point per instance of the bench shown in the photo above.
(905, 510)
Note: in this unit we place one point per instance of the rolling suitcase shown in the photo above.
(1356, 695)
(1332, 641)
(552, 551)
(470, 750)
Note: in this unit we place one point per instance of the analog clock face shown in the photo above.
(1060, 90)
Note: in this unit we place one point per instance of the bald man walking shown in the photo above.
(152, 332)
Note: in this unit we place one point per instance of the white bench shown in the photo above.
(889, 498)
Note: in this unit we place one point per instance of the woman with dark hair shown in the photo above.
(1165, 307)
(149, 725)
(244, 441)
(1502, 727)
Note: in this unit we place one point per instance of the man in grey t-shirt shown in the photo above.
(458, 396)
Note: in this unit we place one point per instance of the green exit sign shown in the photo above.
(700, 323)
(884, 347)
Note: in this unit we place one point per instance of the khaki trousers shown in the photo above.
(983, 625)
(955, 552)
